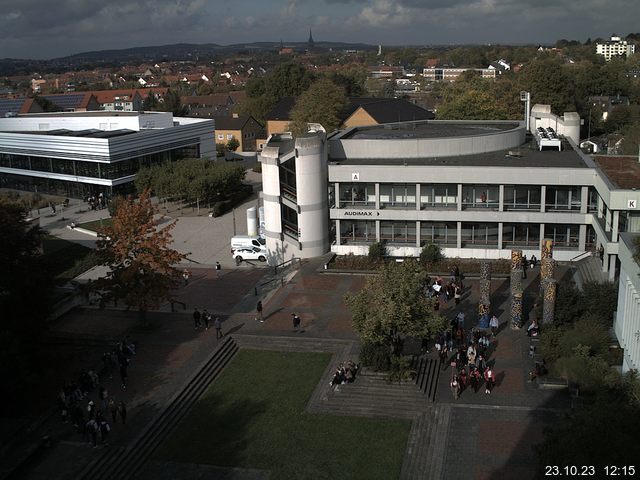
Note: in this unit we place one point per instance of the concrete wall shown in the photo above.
(69, 121)
(627, 320)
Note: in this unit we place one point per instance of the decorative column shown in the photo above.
(485, 294)
(549, 303)
(547, 249)
(516, 288)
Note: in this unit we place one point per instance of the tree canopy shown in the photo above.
(322, 103)
(392, 304)
(136, 250)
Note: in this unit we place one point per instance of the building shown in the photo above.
(614, 48)
(119, 100)
(476, 188)
(245, 129)
(209, 106)
(81, 153)
(451, 74)
(627, 320)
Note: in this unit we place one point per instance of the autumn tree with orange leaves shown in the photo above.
(143, 272)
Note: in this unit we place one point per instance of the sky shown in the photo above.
(47, 29)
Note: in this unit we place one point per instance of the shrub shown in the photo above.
(376, 356)
(400, 369)
(378, 250)
(431, 253)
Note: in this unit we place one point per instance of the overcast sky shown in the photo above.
(48, 29)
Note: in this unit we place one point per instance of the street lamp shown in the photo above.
(526, 98)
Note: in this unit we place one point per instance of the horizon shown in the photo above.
(71, 28)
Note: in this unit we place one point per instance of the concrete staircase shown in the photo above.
(125, 463)
(428, 372)
(425, 454)
(589, 269)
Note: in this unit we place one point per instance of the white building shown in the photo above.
(451, 74)
(627, 321)
(79, 153)
(615, 48)
(476, 188)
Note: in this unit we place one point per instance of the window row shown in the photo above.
(516, 197)
(446, 233)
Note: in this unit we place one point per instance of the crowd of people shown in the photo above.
(345, 373)
(87, 404)
(97, 202)
(441, 291)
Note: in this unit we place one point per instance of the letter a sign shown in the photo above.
(355, 177)
(632, 203)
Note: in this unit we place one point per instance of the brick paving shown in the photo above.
(488, 436)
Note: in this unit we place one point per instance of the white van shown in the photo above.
(246, 247)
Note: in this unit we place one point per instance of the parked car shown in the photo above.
(249, 253)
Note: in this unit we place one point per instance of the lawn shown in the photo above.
(253, 417)
(66, 260)
(96, 224)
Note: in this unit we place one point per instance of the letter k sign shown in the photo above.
(632, 203)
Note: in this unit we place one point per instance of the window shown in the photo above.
(398, 232)
(440, 233)
(438, 196)
(522, 197)
(357, 194)
(397, 195)
(357, 231)
(221, 136)
(563, 236)
(485, 234)
(480, 196)
(520, 235)
(229, 136)
(563, 198)
(592, 200)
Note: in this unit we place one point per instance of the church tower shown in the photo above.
(310, 42)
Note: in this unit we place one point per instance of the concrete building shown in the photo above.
(627, 321)
(476, 188)
(614, 48)
(75, 154)
(439, 74)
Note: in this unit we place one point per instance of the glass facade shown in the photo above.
(438, 196)
(440, 233)
(357, 195)
(485, 234)
(288, 179)
(563, 235)
(289, 222)
(520, 235)
(480, 196)
(522, 197)
(563, 198)
(357, 231)
(398, 232)
(397, 195)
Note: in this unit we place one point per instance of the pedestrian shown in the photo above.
(489, 380)
(185, 275)
(444, 356)
(259, 311)
(218, 269)
(196, 318)
(123, 374)
(600, 252)
(481, 364)
(91, 428)
(91, 409)
(218, 326)
(206, 316)
(533, 261)
(295, 319)
(122, 411)
(494, 323)
(455, 387)
(113, 408)
(525, 265)
(457, 294)
(474, 375)
(104, 397)
(105, 428)
(460, 318)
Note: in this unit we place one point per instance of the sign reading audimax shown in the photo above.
(361, 213)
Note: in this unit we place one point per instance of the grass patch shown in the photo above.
(253, 417)
(66, 260)
(96, 224)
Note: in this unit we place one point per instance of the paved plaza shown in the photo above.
(484, 436)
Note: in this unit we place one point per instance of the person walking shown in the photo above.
(455, 387)
(489, 380)
(105, 428)
(196, 318)
(444, 355)
(123, 373)
(295, 319)
(122, 411)
(92, 429)
(218, 270)
(113, 409)
(206, 317)
(494, 323)
(218, 326)
(259, 311)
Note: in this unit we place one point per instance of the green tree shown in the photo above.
(233, 144)
(322, 103)
(142, 265)
(549, 83)
(392, 306)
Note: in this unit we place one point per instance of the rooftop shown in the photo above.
(428, 129)
(623, 171)
(90, 133)
(526, 155)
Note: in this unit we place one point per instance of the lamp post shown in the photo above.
(526, 98)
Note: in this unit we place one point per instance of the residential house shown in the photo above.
(615, 47)
(245, 129)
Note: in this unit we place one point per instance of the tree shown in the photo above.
(25, 300)
(142, 271)
(233, 144)
(322, 103)
(392, 305)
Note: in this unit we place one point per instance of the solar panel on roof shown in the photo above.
(10, 105)
(65, 101)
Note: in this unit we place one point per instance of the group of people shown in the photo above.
(441, 291)
(466, 351)
(119, 358)
(345, 373)
(97, 202)
(204, 319)
(86, 403)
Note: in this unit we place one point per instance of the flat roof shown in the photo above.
(526, 155)
(91, 133)
(427, 129)
(623, 171)
(92, 113)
